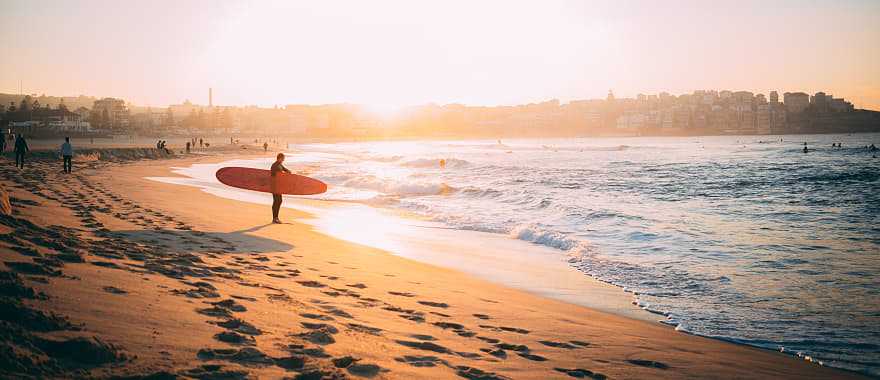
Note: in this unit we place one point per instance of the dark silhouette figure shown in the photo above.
(277, 167)
(201, 142)
(805, 149)
(67, 155)
(265, 147)
(21, 148)
(2, 142)
(187, 146)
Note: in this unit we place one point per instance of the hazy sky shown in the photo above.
(393, 53)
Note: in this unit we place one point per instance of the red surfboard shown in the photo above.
(261, 180)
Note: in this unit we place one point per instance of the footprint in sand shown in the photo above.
(581, 373)
(233, 337)
(498, 353)
(320, 326)
(321, 337)
(567, 346)
(513, 347)
(425, 346)
(505, 328)
(114, 290)
(472, 373)
(311, 284)
(421, 361)
(315, 352)
(230, 305)
(365, 370)
(402, 294)
(319, 317)
(434, 304)
(532, 357)
(365, 329)
(207, 371)
(648, 363)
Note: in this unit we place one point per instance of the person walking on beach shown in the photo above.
(265, 147)
(2, 142)
(277, 167)
(21, 148)
(67, 155)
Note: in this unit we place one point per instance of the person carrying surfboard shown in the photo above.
(277, 167)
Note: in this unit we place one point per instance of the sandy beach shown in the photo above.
(154, 280)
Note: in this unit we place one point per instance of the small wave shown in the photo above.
(538, 235)
(392, 187)
(384, 158)
(435, 163)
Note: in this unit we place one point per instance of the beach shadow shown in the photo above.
(202, 241)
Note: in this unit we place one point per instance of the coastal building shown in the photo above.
(631, 120)
(796, 102)
(184, 110)
(819, 102)
(110, 113)
(763, 119)
(44, 119)
(839, 105)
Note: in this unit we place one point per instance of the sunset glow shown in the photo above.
(390, 54)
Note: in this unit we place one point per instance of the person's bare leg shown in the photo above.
(276, 207)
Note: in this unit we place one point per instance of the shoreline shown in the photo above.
(537, 269)
(374, 297)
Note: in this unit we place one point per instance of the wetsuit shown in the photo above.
(276, 197)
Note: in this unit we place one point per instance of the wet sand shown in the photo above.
(105, 273)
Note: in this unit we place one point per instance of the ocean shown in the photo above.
(741, 238)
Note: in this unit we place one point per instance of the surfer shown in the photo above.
(67, 155)
(277, 167)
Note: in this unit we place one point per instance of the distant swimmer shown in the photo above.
(805, 149)
(442, 163)
(872, 148)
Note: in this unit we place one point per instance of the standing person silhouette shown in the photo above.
(67, 154)
(277, 167)
(21, 148)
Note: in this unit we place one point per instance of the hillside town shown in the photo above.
(704, 112)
